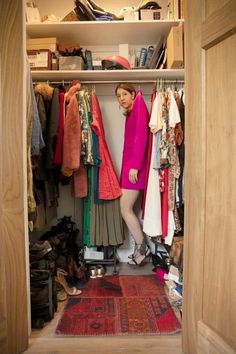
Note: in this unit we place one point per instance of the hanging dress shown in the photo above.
(152, 224)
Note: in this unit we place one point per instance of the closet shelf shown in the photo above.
(103, 33)
(109, 75)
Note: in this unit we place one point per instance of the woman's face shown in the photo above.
(125, 99)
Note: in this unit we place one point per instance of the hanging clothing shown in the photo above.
(79, 182)
(87, 210)
(86, 131)
(52, 129)
(135, 144)
(148, 157)
(108, 184)
(29, 123)
(181, 162)
(171, 228)
(72, 137)
(106, 223)
(60, 135)
(44, 177)
(37, 142)
(152, 223)
(174, 169)
(164, 202)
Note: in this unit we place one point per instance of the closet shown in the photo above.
(110, 36)
(209, 297)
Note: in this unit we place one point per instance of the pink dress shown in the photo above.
(135, 144)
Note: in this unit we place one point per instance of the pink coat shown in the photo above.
(135, 144)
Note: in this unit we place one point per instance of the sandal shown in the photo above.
(143, 254)
(60, 278)
(131, 256)
(61, 295)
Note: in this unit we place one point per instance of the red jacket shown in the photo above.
(108, 184)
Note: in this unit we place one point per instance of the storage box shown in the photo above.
(97, 65)
(32, 13)
(93, 255)
(147, 14)
(49, 43)
(68, 46)
(40, 59)
(175, 51)
(71, 63)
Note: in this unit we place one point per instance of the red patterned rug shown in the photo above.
(119, 305)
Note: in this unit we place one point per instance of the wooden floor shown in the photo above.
(44, 341)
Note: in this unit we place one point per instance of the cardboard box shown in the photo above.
(175, 50)
(40, 59)
(68, 46)
(71, 63)
(49, 43)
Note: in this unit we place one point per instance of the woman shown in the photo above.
(134, 164)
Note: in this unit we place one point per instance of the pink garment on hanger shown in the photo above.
(108, 183)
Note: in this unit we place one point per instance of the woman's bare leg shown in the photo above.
(127, 201)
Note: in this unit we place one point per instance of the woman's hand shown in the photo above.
(133, 175)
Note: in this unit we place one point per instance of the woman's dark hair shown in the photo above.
(127, 87)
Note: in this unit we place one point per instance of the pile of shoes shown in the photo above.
(54, 263)
(66, 252)
(42, 284)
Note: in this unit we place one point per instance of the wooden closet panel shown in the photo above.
(194, 177)
(209, 308)
(219, 300)
(214, 5)
(13, 298)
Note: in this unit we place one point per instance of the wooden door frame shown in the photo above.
(199, 36)
(14, 312)
(14, 280)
